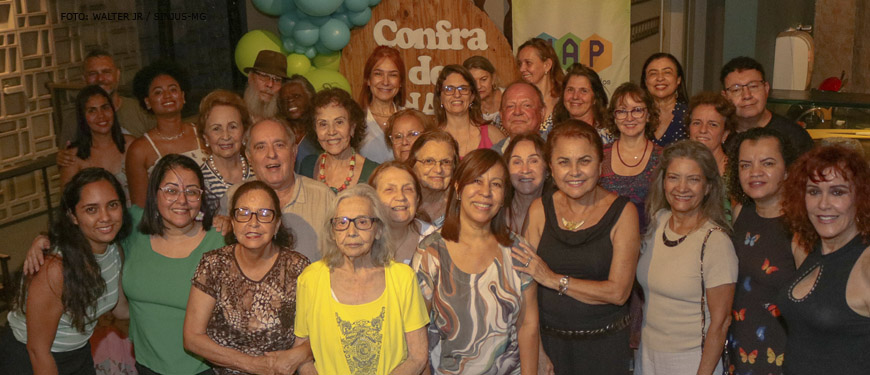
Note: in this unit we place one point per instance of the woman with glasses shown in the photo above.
(457, 110)
(160, 88)
(340, 127)
(382, 95)
(161, 257)
(223, 119)
(629, 162)
(587, 244)
(433, 157)
(400, 191)
(662, 79)
(243, 298)
(483, 310)
(361, 311)
(403, 128)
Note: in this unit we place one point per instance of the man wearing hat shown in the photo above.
(264, 82)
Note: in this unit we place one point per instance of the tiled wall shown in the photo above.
(36, 48)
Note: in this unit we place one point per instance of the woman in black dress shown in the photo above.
(757, 170)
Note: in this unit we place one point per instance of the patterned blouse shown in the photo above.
(634, 187)
(253, 317)
(473, 327)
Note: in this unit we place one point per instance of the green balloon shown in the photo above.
(251, 44)
(331, 61)
(323, 78)
(297, 64)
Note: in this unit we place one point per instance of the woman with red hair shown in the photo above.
(827, 307)
(382, 94)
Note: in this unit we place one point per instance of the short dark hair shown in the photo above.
(142, 80)
(355, 114)
(474, 164)
(285, 237)
(637, 94)
(723, 107)
(84, 138)
(739, 64)
(152, 222)
(789, 155)
(682, 95)
(98, 52)
(474, 111)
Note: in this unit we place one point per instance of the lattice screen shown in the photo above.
(36, 47)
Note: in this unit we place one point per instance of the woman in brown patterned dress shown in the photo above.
(242, 302)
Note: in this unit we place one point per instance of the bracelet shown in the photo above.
(563, 284)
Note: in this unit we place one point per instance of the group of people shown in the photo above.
(546, 227)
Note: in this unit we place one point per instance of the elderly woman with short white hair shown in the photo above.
(361, 310)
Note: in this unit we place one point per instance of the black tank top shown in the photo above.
(584, 254)
(825, 336)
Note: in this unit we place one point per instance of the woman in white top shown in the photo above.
(382, 94)
(160, 89)
(57, 310)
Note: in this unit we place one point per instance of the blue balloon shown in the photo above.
(288, 43)
(305, 33)
(334, 35)
(322, 50)
(287, 22)
(300, 49)
(343, 17)
(356, 6)
(361, 18)
(270, 7)
(319, 21)
(290, 6)
(311, 52)
(318, 8)
(374, 2)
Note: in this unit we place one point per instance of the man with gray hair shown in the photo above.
(270, 147)
(264, 82)
(521, 112)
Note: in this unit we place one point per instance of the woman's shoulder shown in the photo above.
(294, 258)
(314, 270)
(399, 270)
(432, 239)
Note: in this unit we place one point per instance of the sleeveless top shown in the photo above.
(584, 254)
(195, 154)
(765, 267)
(68, 338)
(825, 335)
(485, 142)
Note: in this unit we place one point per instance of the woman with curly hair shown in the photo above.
(57, 309)
(339, 124)
(827, 306)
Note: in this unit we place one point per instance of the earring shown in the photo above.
(206, 143)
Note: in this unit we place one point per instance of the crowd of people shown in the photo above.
(544, 227)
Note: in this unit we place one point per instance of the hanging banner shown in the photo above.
(592, 32)
(429, 35)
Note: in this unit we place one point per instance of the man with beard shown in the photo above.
(264, 82)
(99, 69)
(521, 112)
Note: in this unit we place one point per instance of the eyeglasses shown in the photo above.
(398, 137)
(463, 90)
(636, 112)
(244, 215)
(267, 77)
(430, 163)
(360, 222)
(737, 89)
(172, 193)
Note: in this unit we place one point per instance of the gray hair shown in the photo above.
(246, 139)
(383, 250)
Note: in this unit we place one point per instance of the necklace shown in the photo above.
(172, 138)
(574, 225)
(217, 173)
(672, 243)
(322, 175)
(645, 146)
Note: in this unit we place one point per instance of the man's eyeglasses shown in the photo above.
(267, 77)
(737, 89)
(172, 193)
(244, 215)
(622, 114)
(360, 222)
(430, 163)
(398, 137)
(463, 90)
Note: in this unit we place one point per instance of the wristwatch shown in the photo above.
(563, 284)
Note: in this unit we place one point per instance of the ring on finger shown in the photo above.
(527, 263)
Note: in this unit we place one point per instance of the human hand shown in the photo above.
(35, 257)
(532, 264)
(222, 223)
(545, 365)
(66, 157)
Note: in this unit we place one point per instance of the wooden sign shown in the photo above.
(429, 35)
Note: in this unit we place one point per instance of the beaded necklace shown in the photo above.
(322, 175)
(217, 173)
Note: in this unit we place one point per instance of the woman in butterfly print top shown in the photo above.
(762, 241)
